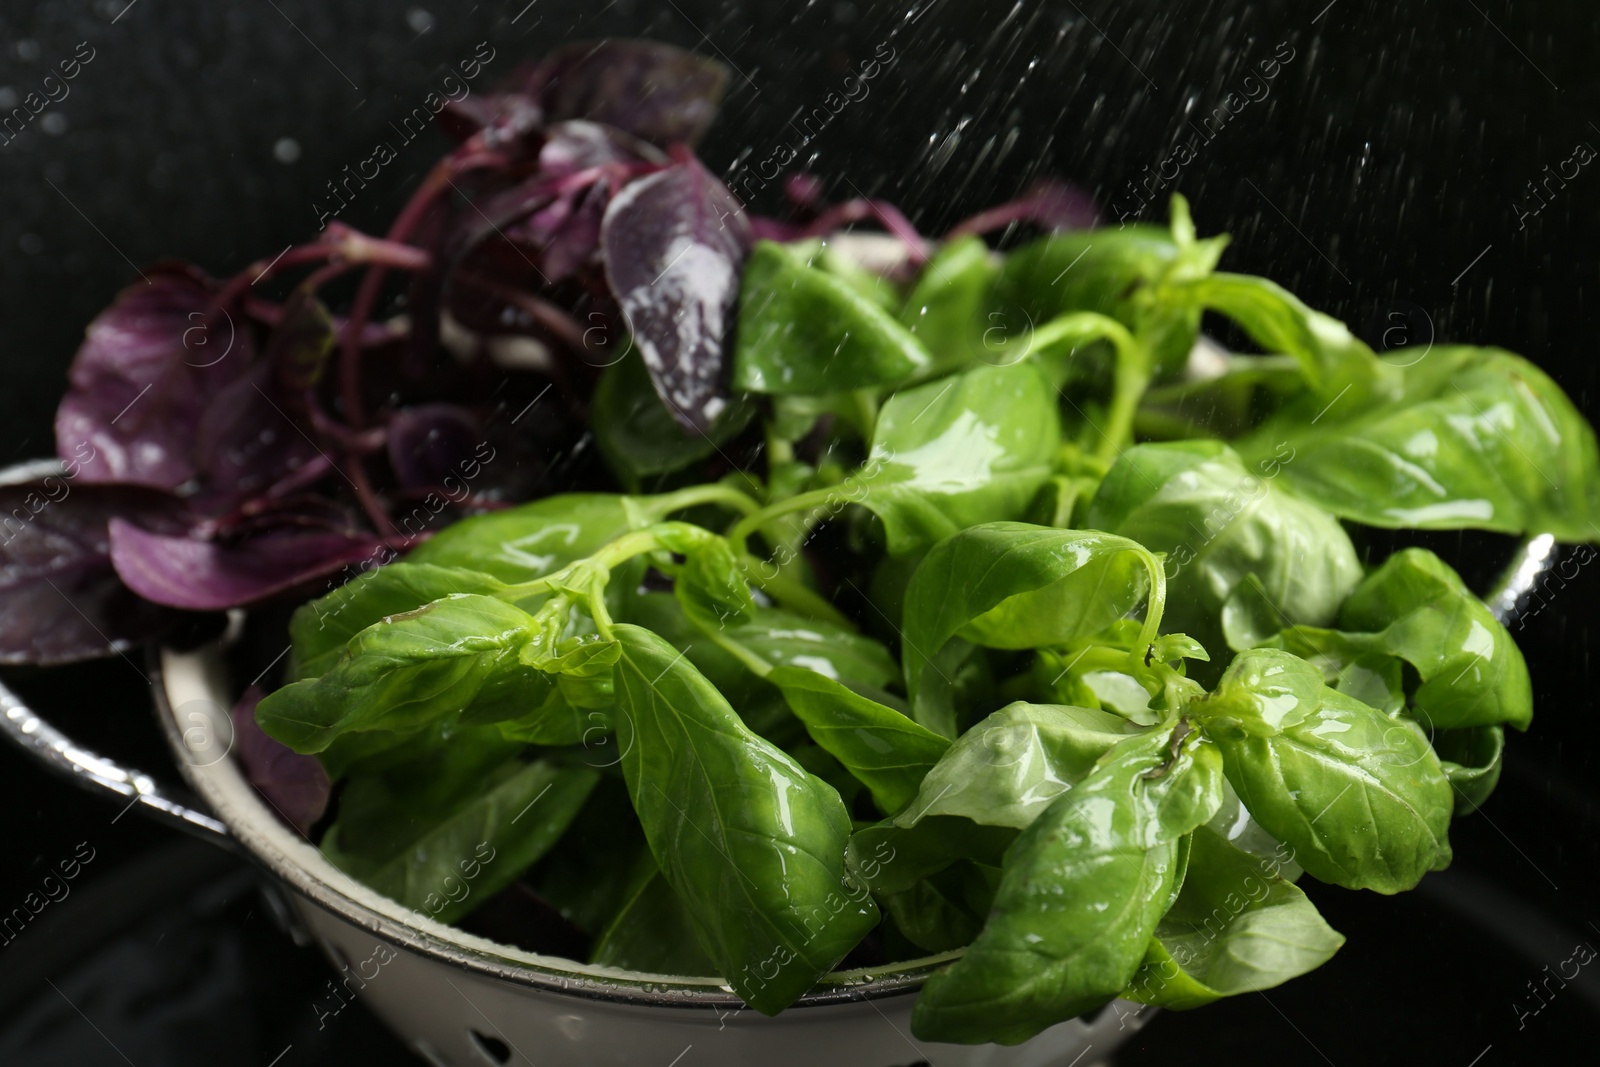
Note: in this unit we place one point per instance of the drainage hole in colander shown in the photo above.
(492, 1049)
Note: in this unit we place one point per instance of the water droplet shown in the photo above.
(55, 124)
(286, 150)
(419, 20)
(27, 49)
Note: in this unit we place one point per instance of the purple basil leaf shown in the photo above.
(295, 785)
(675, 244)
(578, 145)
(60, 598)
(575, 241)
(299, 345)
(492, 213)
(247, 441)
(491, 290)
(652, 90)
(552, 217)
(508, 121)
(147, 369)
(432, 442)
(212, 575)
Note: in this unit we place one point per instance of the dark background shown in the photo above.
(1385, 173)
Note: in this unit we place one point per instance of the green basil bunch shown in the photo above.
(999, 631)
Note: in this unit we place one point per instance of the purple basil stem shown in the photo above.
(763, 228)
(1047, 203)
(804, 191)
(432, 442)
(147, 369)
(295, 785)
(207, 575)
(674, 245)
(60, 598)
(652, 90)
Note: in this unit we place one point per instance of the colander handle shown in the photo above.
(98, 774)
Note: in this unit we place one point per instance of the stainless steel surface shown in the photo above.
(1531, 562)
(29, 731)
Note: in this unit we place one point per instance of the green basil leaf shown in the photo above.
(320, 630)
(783, 638)
(405, 672)
(578, 656)
(1218, 522)
(446, 860)
(1264, 692)
(888, 858)
(533, 540)
(590, 872)
(935, 914)
(803, 330)
(639, 437)
(592, 693)
(848, 266)
(652, 932)
(1235, 825)
(885, 750)
(1012, 585)
(1477, 438)
(1415, 609)
(1227, 401)
(1235, 928)
(1250, 617)
(780, 638)
(1013, 764)
(1472, 672)
(1471, 762)
(371, 751)
(711, 586)
(819, 763)
(1354, 664)
(1359, 796)
(794, 418)
(1082, 890)
(1109, 272)
(758, 703)
(1087, 270)
(972, 448)
(1333, 360)
(947, 306)
(511, 702)
(751, 843)
(428, 768)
